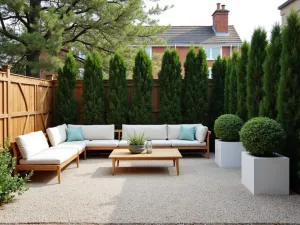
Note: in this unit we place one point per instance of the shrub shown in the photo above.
(227, 127)
(226, 88)
(232, 104)
(170, 88)
(10, 185)
(117, 92)
(93, 91)
(66, 104)
(261, 136)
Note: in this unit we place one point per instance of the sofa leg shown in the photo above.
(206, 155)
(77, 161)
(84, 154)
(15, 171)
(58, 174)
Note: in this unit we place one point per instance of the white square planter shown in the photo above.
(228, 154)
(269, 176)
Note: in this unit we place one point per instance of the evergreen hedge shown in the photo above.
(227, 83)
(271, 74)
(93, 91)
(257, 55)
(288, 103)
(232, 105)
(117, 92)
(66, 103)
(141, 110)
(170, 88)
(242, 83)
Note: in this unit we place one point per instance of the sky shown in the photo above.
(245, 15)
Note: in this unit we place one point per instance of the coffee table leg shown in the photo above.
(113, 166)
(177, 166)
(118, 162)
(173, 162)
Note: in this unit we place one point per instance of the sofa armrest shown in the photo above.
(119, 131)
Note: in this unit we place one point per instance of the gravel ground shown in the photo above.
(147, 193)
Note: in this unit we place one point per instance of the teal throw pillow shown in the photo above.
(74, 134)
(187, 133)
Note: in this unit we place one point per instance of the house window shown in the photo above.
(209, 73)
(149, 52)
(212, 53)
(80, 72)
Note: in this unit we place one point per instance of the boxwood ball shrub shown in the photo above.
(261, 136)
(227, 127)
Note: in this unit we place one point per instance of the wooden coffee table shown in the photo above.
(157, 154)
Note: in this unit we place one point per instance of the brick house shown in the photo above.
(286, 7)
(217, 39)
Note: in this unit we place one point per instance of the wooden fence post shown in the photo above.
(6, 69)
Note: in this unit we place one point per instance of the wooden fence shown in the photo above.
(25, 104)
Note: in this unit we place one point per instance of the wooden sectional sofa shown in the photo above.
(33, 152)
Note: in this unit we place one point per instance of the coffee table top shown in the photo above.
(156, 153)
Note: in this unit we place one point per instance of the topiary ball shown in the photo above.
(227, 127)
(261, 136)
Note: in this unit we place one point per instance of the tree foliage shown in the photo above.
(117, 92)
(31, 28)
(66, 103)
(232, 105)
(288, 104)
(195, 87)
(227, 83)
(257, 55)
(170, 88)
(141, 110)
(242, 82)
(93, 91)
(271, 74)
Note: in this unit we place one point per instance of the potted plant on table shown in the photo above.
(136, 143)
(264, 171)
(228, 147)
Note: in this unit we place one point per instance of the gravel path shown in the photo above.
(203, 193)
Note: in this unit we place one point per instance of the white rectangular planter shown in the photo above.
(228, 154)
(269, 176)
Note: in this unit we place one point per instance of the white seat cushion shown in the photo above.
(103, 143)
(80, 145)
(153, 132)
(123, 143)
(57, 134)
(51, 156)
(201, 133)
(185, 143)
(97, 132)
(32, 144)
(174, 130)
(161, 143)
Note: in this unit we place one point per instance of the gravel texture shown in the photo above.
(147, 193)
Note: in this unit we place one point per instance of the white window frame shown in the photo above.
(210, 73)
(150, 51)
(209, 57)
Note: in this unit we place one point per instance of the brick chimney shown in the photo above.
(220, 19)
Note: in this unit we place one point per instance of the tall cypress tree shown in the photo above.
(227, 82)
(93, 91)
(170, 88)
(141, 110)
(66, 103)
(232, 106)
(271, 74)
(242, 83)
(257, 55)
(288, 103)
(117, 92)
(196, 88)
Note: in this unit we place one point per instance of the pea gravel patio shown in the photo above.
(203, 193)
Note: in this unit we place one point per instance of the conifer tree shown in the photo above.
(232, 106)
(271, 74)
(196, 88)
(242, 83)
(170, 88)
(93, 91)
(288, 103)
(117, 92)
(66, 103)
(257, 55)
(141, 110)
(227, 82)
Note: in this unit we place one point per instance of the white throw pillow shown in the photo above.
(153, 132)
(97, 132)
(201, 133)
(32, 144)
(57, 135)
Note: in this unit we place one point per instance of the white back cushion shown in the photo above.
(57, 135)
(201, 132)
(153, 132)
(97, 132)
(32, 144)
(174, 130)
